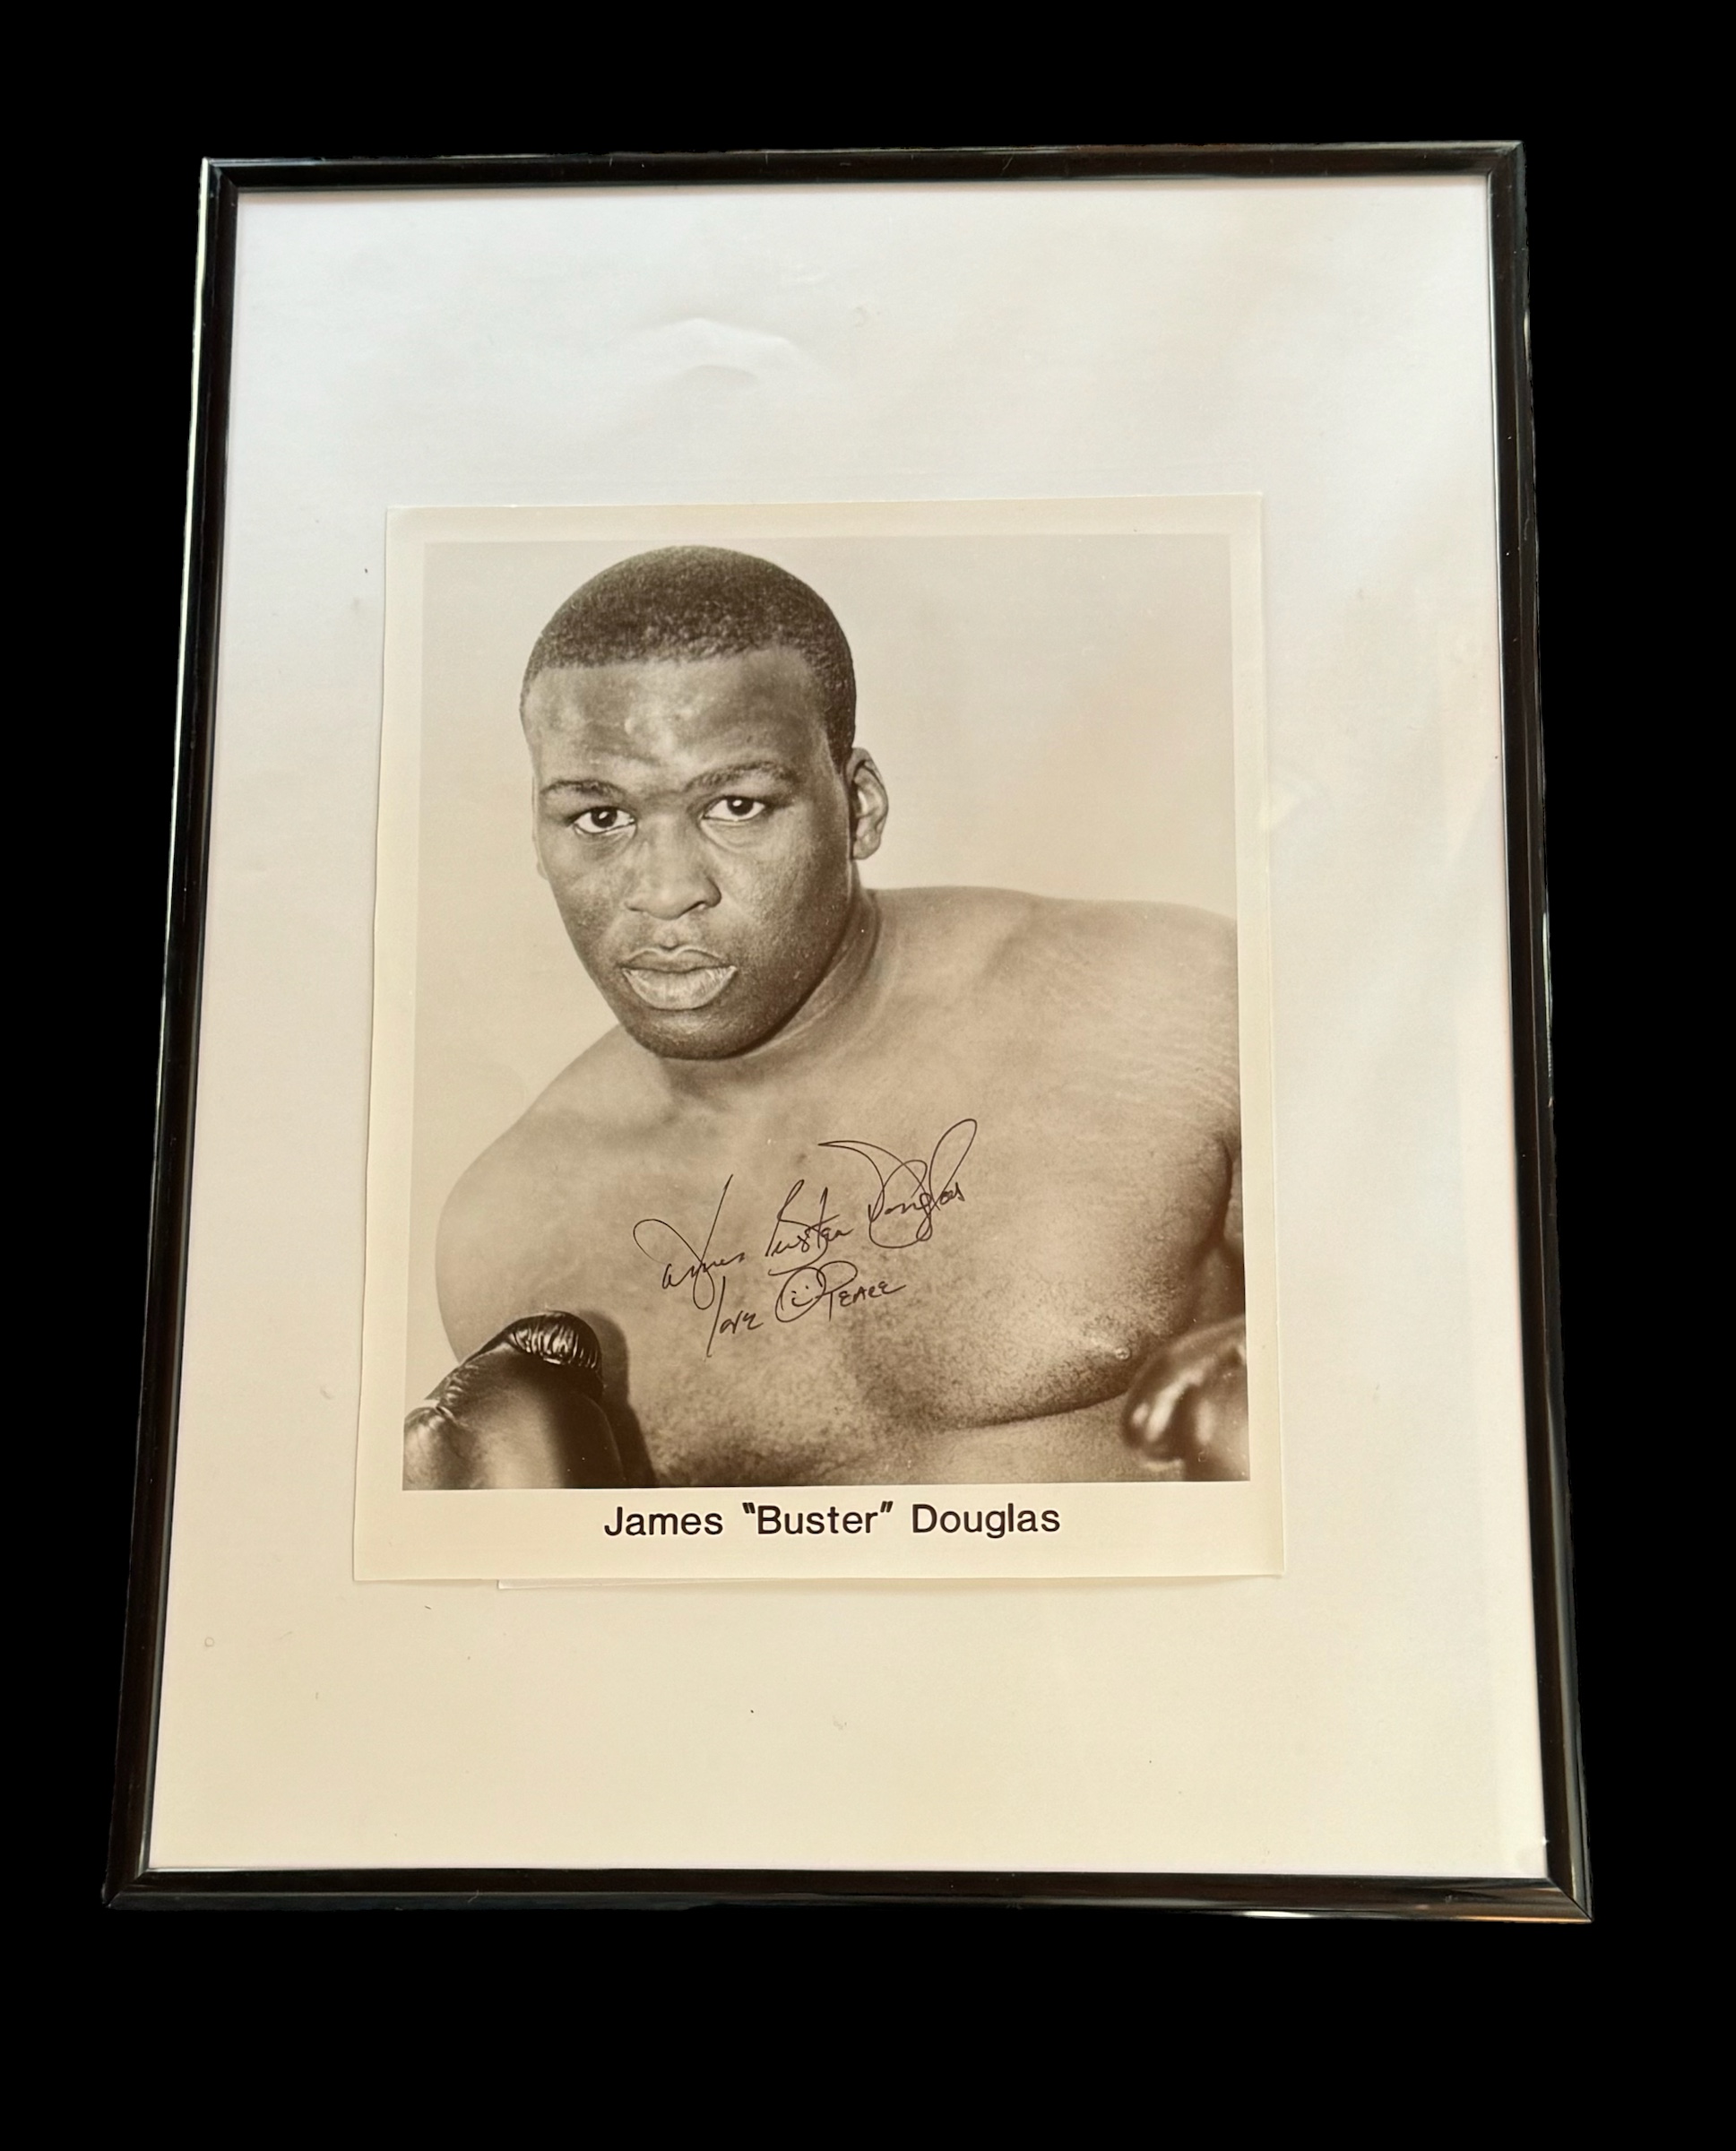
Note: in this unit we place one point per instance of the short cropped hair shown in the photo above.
(687, 602)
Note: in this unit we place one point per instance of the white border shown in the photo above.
(1324, 343)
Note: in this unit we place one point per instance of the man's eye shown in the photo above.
(601, 821)
(735, 810)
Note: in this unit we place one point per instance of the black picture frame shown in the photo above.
(1564, 1894)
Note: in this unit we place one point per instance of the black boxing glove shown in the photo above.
(525, 1410)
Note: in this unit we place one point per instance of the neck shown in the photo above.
(832, 1010)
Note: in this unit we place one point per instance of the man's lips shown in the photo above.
(678, 978)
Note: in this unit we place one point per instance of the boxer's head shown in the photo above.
(699, 803)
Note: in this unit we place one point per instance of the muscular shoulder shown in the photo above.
(496, 1225)
(1143, 959)
(1140, 994)
(1144, 996)
(1185, 950)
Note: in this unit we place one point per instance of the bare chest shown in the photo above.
(828, 1294)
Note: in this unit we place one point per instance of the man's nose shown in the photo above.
(669, 876)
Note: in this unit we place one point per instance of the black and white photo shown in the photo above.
(893, 1156)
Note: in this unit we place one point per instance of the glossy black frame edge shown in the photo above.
(1565, 1894)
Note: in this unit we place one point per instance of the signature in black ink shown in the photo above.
(742, 1322)
(912, 1190)
(808, 1237)
(814, 1281)
(698, 1272)
(828, 1284)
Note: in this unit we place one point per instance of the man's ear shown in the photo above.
(869, 804)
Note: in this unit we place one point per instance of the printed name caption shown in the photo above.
(770, 1520)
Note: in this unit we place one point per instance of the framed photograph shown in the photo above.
(854, 1194)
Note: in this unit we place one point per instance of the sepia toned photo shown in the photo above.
(827, 1038)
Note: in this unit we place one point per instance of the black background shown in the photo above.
(116, 365)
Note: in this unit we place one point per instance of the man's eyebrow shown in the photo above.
(710, 780)
(595, 784)
(719, 780)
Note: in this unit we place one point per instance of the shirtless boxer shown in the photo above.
(893, 1186)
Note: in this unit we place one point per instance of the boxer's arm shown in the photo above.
(484, 1230)
(528, 1404)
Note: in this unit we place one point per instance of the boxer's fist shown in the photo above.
(525, 1410)
(1187, 1413)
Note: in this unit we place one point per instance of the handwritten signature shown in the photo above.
(827, 1284)
(805, 1237)
(912, 1190)
(700, 1272)
(909, 1193)
(814, 1281)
